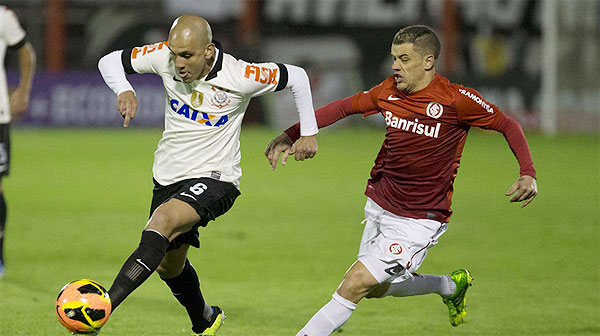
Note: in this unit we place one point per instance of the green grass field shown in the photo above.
(78, 200)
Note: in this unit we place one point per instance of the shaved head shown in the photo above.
(191, 29)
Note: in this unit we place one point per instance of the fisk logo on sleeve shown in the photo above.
(262, 75)
(141, 51)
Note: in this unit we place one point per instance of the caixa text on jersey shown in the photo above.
(199, 117)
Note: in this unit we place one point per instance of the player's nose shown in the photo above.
(179, 63)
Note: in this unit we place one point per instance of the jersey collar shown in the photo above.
(218, 62)
(217, 66)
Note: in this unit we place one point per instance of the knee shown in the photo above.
(355, 286)
(163, 222)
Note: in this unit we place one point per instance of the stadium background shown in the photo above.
(79, 186)
(504, 49)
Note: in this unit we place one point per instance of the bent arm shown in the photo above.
(27, 62)
(513, 133)
(111, 69)
(299, 84)
(525, 187)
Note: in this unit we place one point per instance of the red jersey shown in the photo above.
(426, 131)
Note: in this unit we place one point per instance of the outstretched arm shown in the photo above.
(305, 147)
(474, 110)
(19, 99)
(111, 69)
(283, 145)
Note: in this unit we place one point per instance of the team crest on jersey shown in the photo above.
(197, 98)
(395, 248)
(220, 99)
(435, 110)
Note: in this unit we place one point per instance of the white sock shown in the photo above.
(421, 284)
(329, 318)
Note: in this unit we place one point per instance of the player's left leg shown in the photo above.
(179, 274)
(452, 288)
(4, 170)
(2, 225)
(357, 283)
(418, 284)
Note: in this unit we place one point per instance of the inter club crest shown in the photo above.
(435, 110)
(197, 98)
(395, 248)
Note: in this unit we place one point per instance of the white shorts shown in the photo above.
(393, 247)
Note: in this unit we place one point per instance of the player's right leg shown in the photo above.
(179, 274)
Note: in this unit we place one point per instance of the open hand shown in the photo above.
(525, 188)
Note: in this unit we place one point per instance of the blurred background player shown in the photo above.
(409, 193)
(197, 164)
(14, 37)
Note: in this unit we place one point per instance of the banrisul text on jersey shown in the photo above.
(413, 126)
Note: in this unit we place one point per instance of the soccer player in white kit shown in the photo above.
(12, 36)
(197, 164)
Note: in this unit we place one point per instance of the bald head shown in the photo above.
(191, 30)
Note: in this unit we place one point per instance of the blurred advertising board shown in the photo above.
(74, 98)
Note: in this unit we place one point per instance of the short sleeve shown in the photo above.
(261, 78)
(473, 110)
(146, 59)
(11, 29)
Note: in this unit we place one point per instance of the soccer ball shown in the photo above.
(83, 306)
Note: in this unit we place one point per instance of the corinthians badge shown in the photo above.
(220, 99)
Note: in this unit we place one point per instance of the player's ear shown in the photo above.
(429, 62)
(209, 51)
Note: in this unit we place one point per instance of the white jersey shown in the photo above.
(11, 35)
(203, 118)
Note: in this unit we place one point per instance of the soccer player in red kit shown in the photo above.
(410, 189)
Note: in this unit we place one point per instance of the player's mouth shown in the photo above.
(184, 74)
(398, 78)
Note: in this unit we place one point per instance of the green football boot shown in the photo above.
(457, 302)
(217, 320)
